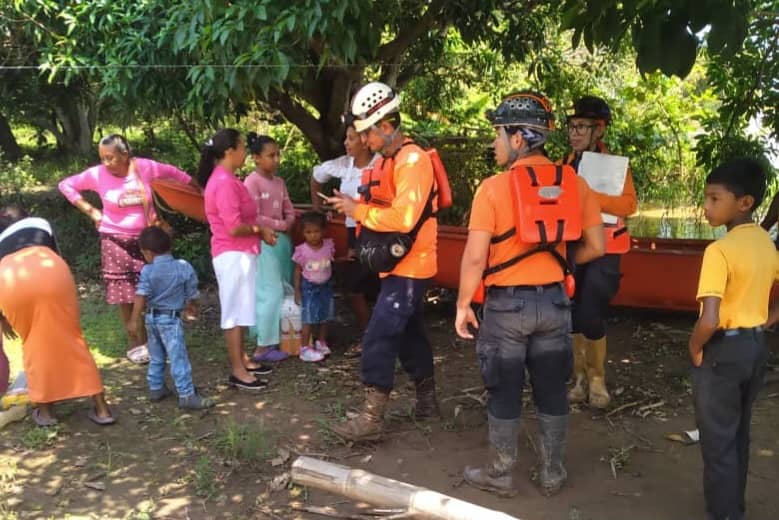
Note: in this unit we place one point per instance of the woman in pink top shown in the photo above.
(123, 183)
(274, 264)
(235, 244)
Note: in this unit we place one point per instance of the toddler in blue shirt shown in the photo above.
(167, 291)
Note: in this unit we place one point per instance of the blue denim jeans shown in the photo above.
(166, 341)
(397, 331)
(525, 328)
(318, 305)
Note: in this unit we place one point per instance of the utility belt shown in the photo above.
(381, 252)
(163, 312)
(738, 332)
(513, 289)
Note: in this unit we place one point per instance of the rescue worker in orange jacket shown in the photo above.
(526, 322)
(598, 281)
(400, 200)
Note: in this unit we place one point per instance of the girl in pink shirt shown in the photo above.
(232, 217)
(313, 285)
(274, 267)
(123, 183)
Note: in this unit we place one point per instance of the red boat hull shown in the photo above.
(657, 273)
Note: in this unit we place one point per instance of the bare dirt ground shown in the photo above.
(158, 462)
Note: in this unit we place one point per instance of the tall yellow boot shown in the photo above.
(596, 373)
(579, 393)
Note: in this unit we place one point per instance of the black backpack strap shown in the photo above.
(503, 237)
(543, 248)
(427, 213)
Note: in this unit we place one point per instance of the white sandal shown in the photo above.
(138, 355)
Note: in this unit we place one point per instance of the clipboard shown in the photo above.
(605, 174)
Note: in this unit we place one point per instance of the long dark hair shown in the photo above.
(214, 150)
(257, 142)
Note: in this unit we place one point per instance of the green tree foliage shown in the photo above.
(748, 87)
(666, 34)
(303, 59)
(64, 106)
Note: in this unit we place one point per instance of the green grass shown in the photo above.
(204, 478)
(247, 443)
(36, 438)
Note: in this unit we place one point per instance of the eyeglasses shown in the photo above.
(579, 129)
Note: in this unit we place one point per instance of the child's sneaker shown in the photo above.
(159, 395)
(309, 353)
(321, 346)
(196, 402)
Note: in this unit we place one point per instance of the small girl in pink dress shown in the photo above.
(313, 285)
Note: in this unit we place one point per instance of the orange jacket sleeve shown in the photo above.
(620, 205)
(413, 177)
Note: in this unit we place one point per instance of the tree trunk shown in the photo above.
(8, 145)
(325, 131)
(74, 120)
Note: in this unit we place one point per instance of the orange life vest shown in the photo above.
(378, 187)
(545, 202)
(382, 251)
(617, 236)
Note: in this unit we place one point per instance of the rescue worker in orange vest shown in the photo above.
(526, 313)
(401, 199)
(596, 282)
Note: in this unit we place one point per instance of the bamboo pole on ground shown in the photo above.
(363, 486)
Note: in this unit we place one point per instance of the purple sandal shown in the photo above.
(270, 355)
(102, 421)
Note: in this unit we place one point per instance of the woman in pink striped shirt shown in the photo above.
(274, 264)
(123, 183)
(235, 244)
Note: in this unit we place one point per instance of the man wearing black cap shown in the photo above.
(598, 281)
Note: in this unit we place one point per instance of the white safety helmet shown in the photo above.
(372, 103)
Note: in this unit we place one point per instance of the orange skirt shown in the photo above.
(38, 298)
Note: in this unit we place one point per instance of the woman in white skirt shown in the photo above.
(235, 244)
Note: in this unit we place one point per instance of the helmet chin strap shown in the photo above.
(388, 140)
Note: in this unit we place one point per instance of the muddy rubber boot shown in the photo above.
(596, 373)
(497, 477)
(578, 393)
(426, 406)
(550, 473)
(369, 424)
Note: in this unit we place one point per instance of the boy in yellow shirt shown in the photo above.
(727, 346)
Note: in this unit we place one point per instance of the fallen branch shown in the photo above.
(623, 407)
(384, 492)
(481, 399)
(652, 406)
(330, 512)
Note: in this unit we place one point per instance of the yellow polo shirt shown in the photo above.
(740, 269)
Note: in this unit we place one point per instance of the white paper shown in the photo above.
(605, 174)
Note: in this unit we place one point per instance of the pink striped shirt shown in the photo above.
(274, 206)
(228, 205)
(122, 198)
